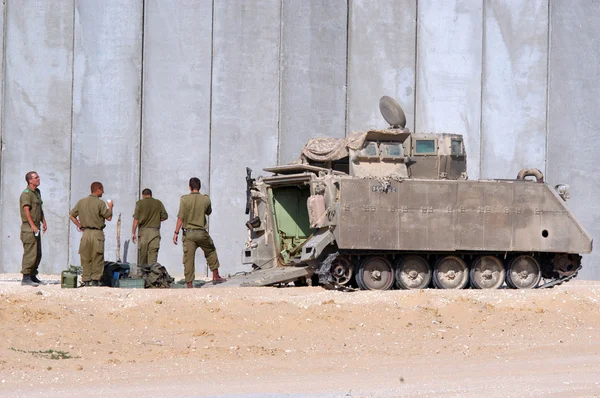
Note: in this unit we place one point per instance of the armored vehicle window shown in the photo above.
(392, 150)
(370, 151)
(424, 147)
(457, 148)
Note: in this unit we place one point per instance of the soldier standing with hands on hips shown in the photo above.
(193, 209)
(32, 215)
(89, 215)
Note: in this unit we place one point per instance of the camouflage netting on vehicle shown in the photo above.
(326, 149)
(156, 276)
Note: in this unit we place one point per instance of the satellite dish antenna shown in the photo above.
(392, 112)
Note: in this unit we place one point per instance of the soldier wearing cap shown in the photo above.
(32, 215)
(193, 209)
(148, 215)
(89, 215)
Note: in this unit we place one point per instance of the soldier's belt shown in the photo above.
(93, 228)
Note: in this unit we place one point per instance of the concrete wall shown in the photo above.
(381, 60)
(106, 108)
(245, 111)
(449, 47)
(148, 93)
(176, 112)
(573, 117)
(313, 73)
(514, 87)
(2, 84)
(37, 123)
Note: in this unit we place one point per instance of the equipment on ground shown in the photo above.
(68, 279)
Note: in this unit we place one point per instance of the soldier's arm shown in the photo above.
(135, 225)
(76, 222)
(44, 224)
(181, 211)
(163, 212)
(208, 207)
(27, 211)
(177, 228)
(106, 212)
(25, 202)
(180, 215)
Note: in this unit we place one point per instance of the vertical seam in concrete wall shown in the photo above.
(210, 107)
(71, 133)
(279, 93)
(483, 47)
(347, 89)
(548, 90)
(416, 65)
(141, 99)
(2, 107)
(210, 98)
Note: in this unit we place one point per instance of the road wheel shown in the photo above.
(412, 272)
(450, 272)
(524, 272)
(375, 273)
(487, 272)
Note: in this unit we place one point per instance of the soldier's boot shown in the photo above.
(85, 284)
(95, 283)
(27, 281)
(35, 279)
(217, 278)
(190, 285)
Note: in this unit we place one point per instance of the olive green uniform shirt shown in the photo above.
(193, 209)
(149, 212)
(92, 211)
(33, 199)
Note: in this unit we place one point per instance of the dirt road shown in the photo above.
(251, 342)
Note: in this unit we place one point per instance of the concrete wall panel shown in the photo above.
(449, 46)
(106, 110)
(2, 75)
(381, 60)
(246, 49)
(176, 107)
(514, 87)
(37, 124)
(313, 73)
(573, 118)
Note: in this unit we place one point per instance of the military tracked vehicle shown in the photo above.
(391, 208)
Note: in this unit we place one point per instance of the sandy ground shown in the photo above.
(297, 342)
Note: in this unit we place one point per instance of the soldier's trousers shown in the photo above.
(32, 250)
(148, 245)
(91, 252)
(192, 240)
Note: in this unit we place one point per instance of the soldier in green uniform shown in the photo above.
(32, 215)
(148, 215)
(89, 215)
(193, 209)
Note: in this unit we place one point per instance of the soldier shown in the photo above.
(32, 215)
(89, 215)
(193, 209)
(148, 214)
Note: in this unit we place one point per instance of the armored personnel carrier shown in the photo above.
(390, 208)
